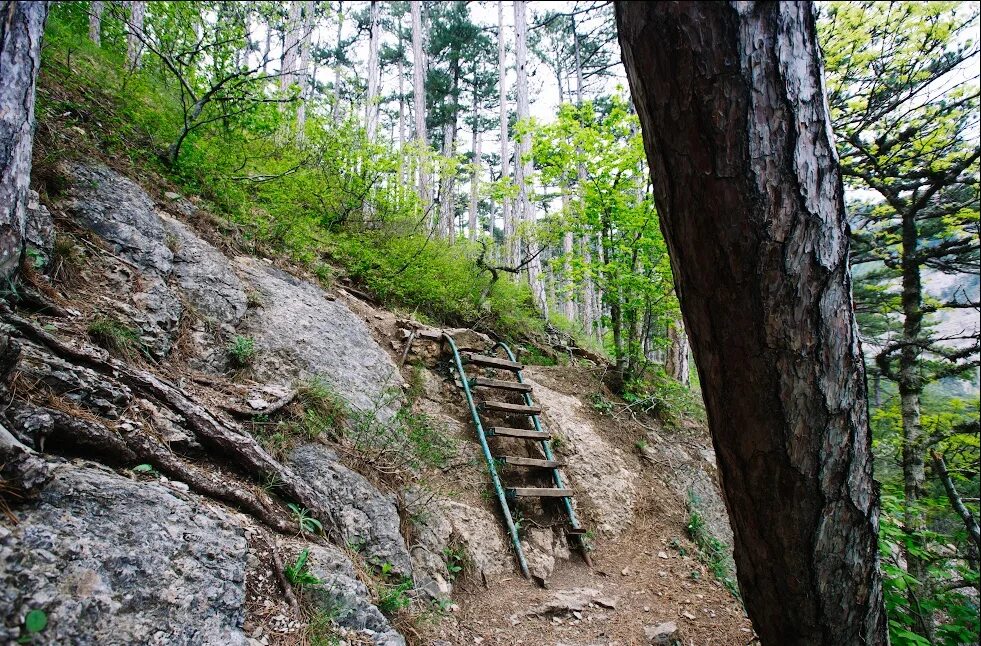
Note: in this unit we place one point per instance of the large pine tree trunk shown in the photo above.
(419, 102)
(21, 27)
(749, 193)
(134, 37)
(374, 73)
(522, 163)
(95, 21)
(507, 224)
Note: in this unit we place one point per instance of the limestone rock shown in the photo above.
(543, 547)
(341, 593)
(300, 333)
(79, 385)
(39, 232)
(367, 517)
(113, 561)
(665, 634)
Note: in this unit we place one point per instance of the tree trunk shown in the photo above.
(475, 173)
(522, 163)
(338, 52)
(134, 44)
(401, 72)
(302, 77)
(676, 364)
(374, 74)
(95, 21)
(419, 102)
(749, 193)
(910, 390)
(20, 58)
(291, 46)
(507, 224)
(447, 205)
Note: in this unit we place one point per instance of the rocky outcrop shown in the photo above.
(368, 518)
(345, 598)
(301, 332)
(597, 469)
(114, 561)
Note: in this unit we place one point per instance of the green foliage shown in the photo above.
(322, 628)
(713, 552)
(456, 560)
(241, 351)
(656, 393)
(393, 597)
(145, 469)
(307, 523)
(116, 337)
(298, 573)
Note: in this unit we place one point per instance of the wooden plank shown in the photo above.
(532, 462)
(514, 409)
(540, 492)
(503, 431)
(576, 531)
(490, 362)
(502, 384)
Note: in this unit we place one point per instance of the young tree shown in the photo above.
(749, 194)
(20, 59)
(906, 117)
(374, 72)
(419, 102)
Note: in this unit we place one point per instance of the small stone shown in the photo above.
(662, 634)
(625, 572)
(688, 615)
(170, 195)
(662, 555)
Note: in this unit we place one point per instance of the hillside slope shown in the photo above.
(206, 447)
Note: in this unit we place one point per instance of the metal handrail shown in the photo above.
(495, 479)
(547, 448)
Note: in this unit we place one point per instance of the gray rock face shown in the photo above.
(343, 595)
(79, 385)
(205, 275)
(120, 212)
(300, 332)
(114, 562)
(39, 231)
(368, 517)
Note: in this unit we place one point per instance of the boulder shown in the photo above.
(368, 518)
(346, 598)
(115, 561)
(300, 332)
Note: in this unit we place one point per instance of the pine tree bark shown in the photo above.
(522, 163)
(749, 193)
(507, 222)
(95, 21)
(20, 58)
(134, 42)
(419, 102)
(374, 74)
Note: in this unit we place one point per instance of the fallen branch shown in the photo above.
(273, 408)
(279, 571)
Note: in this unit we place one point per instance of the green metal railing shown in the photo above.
(491, 468)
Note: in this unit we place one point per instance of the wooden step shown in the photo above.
(524, 433)
(539, 492)
(531, 462)
(514, 409)
(576, 531)
(500, 383)
(490, 362)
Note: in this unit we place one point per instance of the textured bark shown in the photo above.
(507, 223)
(134, 39)
(291, 46)
(302, 76)
(522, 163)
(749, 194)
(20, 57)
(374, 73)
(475, 173)
(676, 364)
(95, 21)
(419, 101)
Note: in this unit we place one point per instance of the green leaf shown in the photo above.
(35, 621)
(142, 468)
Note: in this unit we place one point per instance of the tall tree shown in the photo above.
(302, 73)
(135, 38)
(20, 59)
(730, 97)
(419, 102)
(906, 116)
(374, 72)
(507, 222)
(522, 162)
(95, 21)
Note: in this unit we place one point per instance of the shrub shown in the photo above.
(116, 337)
(241, 351)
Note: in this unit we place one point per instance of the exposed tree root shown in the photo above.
(273, 408)
(280, 571)
(239, 449)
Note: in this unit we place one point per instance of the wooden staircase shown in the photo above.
(509, 380)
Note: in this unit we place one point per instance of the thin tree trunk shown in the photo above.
(95, 21)
(302, 77)
(336, 109)
(419, 101)
(291, 46)
(522, 163)
(475, 174)
(134, 44)
(507, 223)
(20, 58)
(676, 364)
(750, 200)
(447, 205)
(374, 74)
(401, 72)
(568, 284)
(910, 391)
